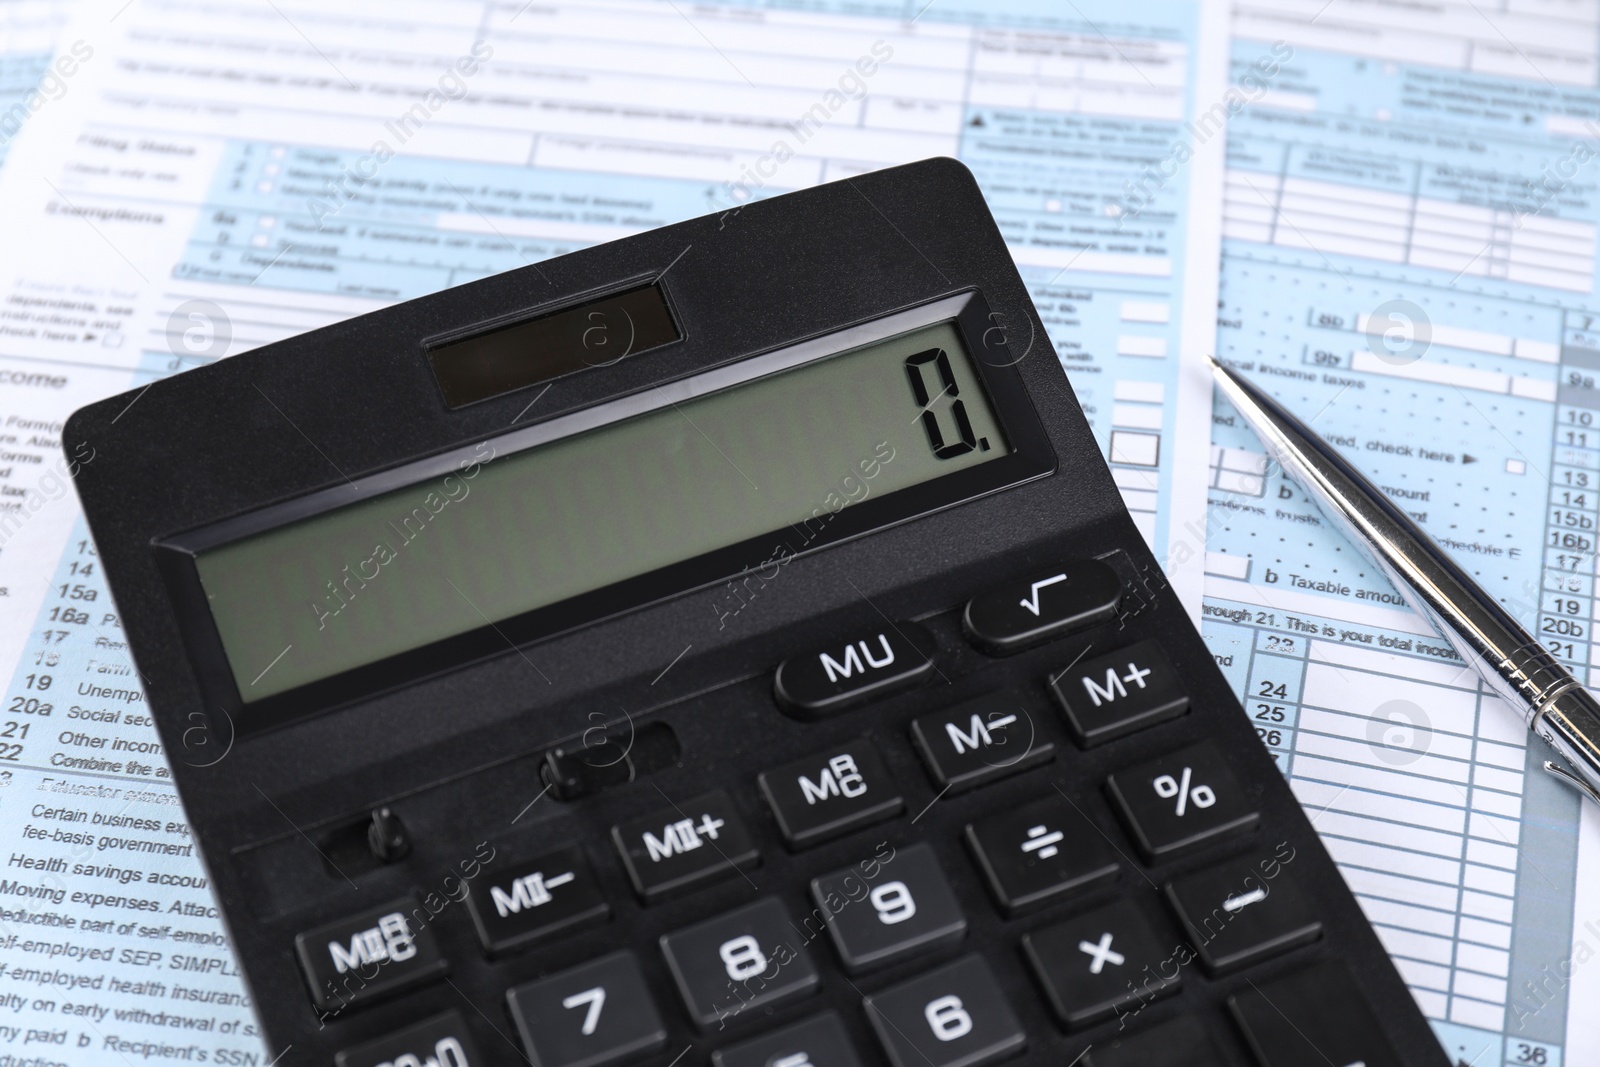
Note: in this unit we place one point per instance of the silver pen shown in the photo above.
(1554, 704)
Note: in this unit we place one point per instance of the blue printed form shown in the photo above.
(1409, 265)
(208, 184)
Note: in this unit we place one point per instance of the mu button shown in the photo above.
(853, 669)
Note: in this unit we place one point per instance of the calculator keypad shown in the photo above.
(680, 846)
(746, 959)
(1104, 962)
(1178, 802)
(954, 1016)
(881, 911)
(592, 1015)
(979, 741)
(1093, 960)
(831, 793)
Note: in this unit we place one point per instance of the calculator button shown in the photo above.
(1118, 693)
(1318, 1015)
(1235, 916)
(516, 904)
(1179, 1042)
(681, 846)
(368, 956)
(1180, 801)
(883, 910)
(747, 958)
(979, 741)
(861, 667)
(1043, 605)
(1103, 962)
(1039, 853)
(955, 1016)
(819, 1041)
(442, 1039)
(591, 1015)
(831, 793)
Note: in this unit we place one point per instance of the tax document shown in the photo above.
(1409, 264)
(217, 176)
(28, 30)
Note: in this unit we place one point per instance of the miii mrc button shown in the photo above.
(516, 904)
(368, 956)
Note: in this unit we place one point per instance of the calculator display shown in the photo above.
(508, 532)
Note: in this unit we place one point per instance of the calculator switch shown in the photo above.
(955, 1016)
(819, 1041)
(1180, 801)
(1102, 963)
(592, 1015)
(441, 1040)
(1118, 693)
(830, 793)
(886, 908)
(1318, 1015)
(979, 741)
(1043, 605)
(368, 956)
(1179, 1042)
(1243, 911)
(1039, 853)
(683, 845)
(749, 959)
(854, 669)
(516, 904)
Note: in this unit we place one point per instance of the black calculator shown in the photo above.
(724, 645)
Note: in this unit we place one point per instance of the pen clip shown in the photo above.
(1556, 770)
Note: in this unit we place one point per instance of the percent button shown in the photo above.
(1180, 801)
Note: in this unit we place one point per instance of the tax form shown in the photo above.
(28, 31)
(1409, 264)
(208, 184)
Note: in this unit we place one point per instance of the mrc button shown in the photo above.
(852, 669)
(830, 793)
(1042, 605)
(1118, 693)
(368, 956)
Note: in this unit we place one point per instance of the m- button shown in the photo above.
(1118, 693)
(979, 741)
(843, 673)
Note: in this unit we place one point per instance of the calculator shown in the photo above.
(723, 645)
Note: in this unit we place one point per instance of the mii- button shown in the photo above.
(847, 672)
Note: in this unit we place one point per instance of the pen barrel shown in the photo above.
(1570, 723)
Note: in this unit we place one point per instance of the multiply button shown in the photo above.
(1043, 605)
(830, 793)
(1313, 1016)
(1118, 693)
(592, 1015)
(442, 1040)
(367, 956)
(517, 904)
(1040, 852)
(955, 1016)
(1243, 911)
(1180, 801)
(1102, 962)
(979, 741)
(846, 672)
(681, 846)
